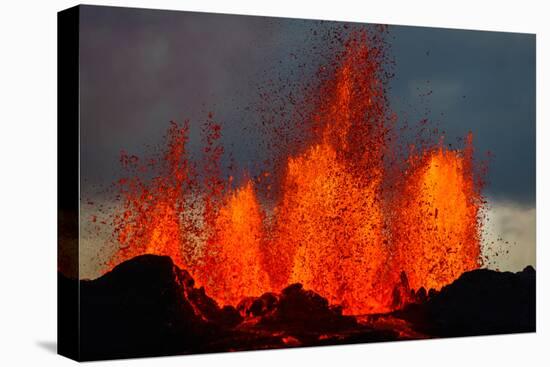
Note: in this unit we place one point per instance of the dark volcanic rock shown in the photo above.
(480, 302)
(306, 310)
(258, 306)
(147, 306)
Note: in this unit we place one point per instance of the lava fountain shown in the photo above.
(436, 224)
(341, 224)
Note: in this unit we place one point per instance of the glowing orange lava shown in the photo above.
(150, 220)
(340, 225)
(436, 229)
(330, 216)
(333, 224)
(233, 269)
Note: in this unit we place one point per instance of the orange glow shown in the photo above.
(333, 225)
(150, 219)
(233, 269)
(436, 229)
(330, 217)
(338, 224)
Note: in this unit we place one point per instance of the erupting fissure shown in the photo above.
(343, 223)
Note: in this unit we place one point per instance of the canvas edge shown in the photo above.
(68, 177)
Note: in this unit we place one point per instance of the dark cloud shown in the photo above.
(480, 81)
(140, 69)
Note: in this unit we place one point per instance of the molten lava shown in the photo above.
(150, 220)
(330, 216)
(436, 224)
(341, 224)
(234, 251)
(333, 224)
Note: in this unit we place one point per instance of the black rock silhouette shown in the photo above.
(306, 310)
(258, 306)
(479, 302)
(147, 306)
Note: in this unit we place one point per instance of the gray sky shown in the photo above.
(140, 69)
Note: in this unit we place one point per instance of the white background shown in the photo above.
(28, 182)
